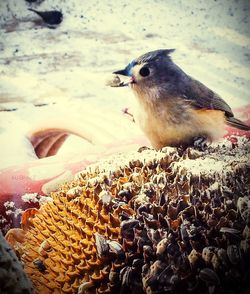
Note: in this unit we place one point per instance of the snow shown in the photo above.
(67, 67)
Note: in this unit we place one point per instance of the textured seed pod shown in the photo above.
(246, 232)
(245, 247)
(137, 178)
(44, 248)
(215, 261)
(105, 197)
(102, 246)
(74, 192)
(234, 254)
(194, 257)
(162, 247)
(115, 247)
(84, 287)
(191, 153)
(243, 204)
(223, 258)
(156, 222)
(207, 254)
(209, 276)
(61, 245)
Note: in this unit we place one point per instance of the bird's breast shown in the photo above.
(173, 122)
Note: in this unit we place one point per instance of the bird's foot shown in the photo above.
(200, 143)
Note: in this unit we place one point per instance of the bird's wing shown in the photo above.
(202, 97)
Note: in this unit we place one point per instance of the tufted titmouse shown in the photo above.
(173, 108)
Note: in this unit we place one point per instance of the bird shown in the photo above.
(174, 109)
(52, 18)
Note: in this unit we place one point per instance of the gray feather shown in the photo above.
(153, 55)
(236, 123)
(201, 97)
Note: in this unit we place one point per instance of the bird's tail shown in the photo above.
(236, 123)
(31, 9)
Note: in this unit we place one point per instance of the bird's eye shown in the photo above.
(144, 71)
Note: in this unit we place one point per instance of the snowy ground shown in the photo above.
(67, 67)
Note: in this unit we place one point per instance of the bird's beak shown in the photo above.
(125, 72)
(122, 72)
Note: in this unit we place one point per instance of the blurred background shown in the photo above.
(56, 77)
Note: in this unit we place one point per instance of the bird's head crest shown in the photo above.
(153, 55)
